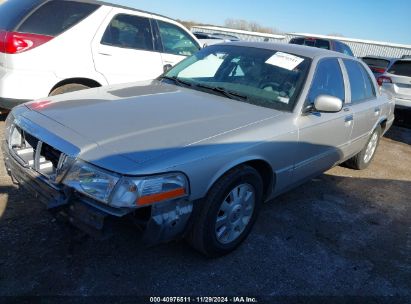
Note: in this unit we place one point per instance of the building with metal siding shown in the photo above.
(363, 48)
(359, 47)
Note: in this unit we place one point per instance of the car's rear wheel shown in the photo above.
(67, 88)
(363, 159)
(226, 215)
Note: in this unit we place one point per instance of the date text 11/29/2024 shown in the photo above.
(203, 300)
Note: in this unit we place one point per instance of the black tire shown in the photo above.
(67, 88)
(359, 161)
(203, 235)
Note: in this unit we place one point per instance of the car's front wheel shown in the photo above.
(225, 217)
(363, 159)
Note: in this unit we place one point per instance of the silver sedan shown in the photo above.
(196, 152)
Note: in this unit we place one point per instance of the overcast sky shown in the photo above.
(363, 19)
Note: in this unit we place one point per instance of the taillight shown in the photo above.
(383, 79)
(13, 43)
(378, 70)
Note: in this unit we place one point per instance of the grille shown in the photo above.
(36, 154)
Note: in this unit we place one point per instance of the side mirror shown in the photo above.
(167, 68)
(328, 104)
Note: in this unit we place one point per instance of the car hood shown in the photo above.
(146, 120)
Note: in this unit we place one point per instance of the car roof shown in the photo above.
(301, 50)
(120, 6)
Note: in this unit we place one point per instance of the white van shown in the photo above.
(49, 47)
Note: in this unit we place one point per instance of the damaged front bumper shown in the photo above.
(163, 222)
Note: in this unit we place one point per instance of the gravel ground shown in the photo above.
(344, 233)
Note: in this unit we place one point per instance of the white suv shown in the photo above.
(397, 82)
(49, 47)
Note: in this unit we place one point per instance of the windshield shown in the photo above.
(262, 77)
(401, 68)
(376, 62)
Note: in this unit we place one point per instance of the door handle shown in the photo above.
(348, 120)
(105, 54)
(346, 109)
(377, 111)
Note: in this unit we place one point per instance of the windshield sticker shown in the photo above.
(285, 61)
(283, 99)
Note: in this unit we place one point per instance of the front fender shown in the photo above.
(233, 164)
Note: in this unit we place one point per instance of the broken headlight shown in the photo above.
(91, 181)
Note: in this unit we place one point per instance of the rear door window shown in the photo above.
(12, 12)
(322, 44)
(55, 17)
(328, 80)
(129, 31)
(401, 68)
(309, 42)
(176, 41)
(361, 85)
(346, 50)
(299, 41)
(201, 36)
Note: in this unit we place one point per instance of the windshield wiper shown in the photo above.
(224, 92)
(177, 80)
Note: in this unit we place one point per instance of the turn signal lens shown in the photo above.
(168, 195)
(143, 191)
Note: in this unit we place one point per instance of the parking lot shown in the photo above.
(344, 233)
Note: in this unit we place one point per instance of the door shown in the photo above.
(177, 44)
(124, 50)
(323, 137)
(365, 107)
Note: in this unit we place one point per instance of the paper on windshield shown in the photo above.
(285, 61)
(283, 99)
